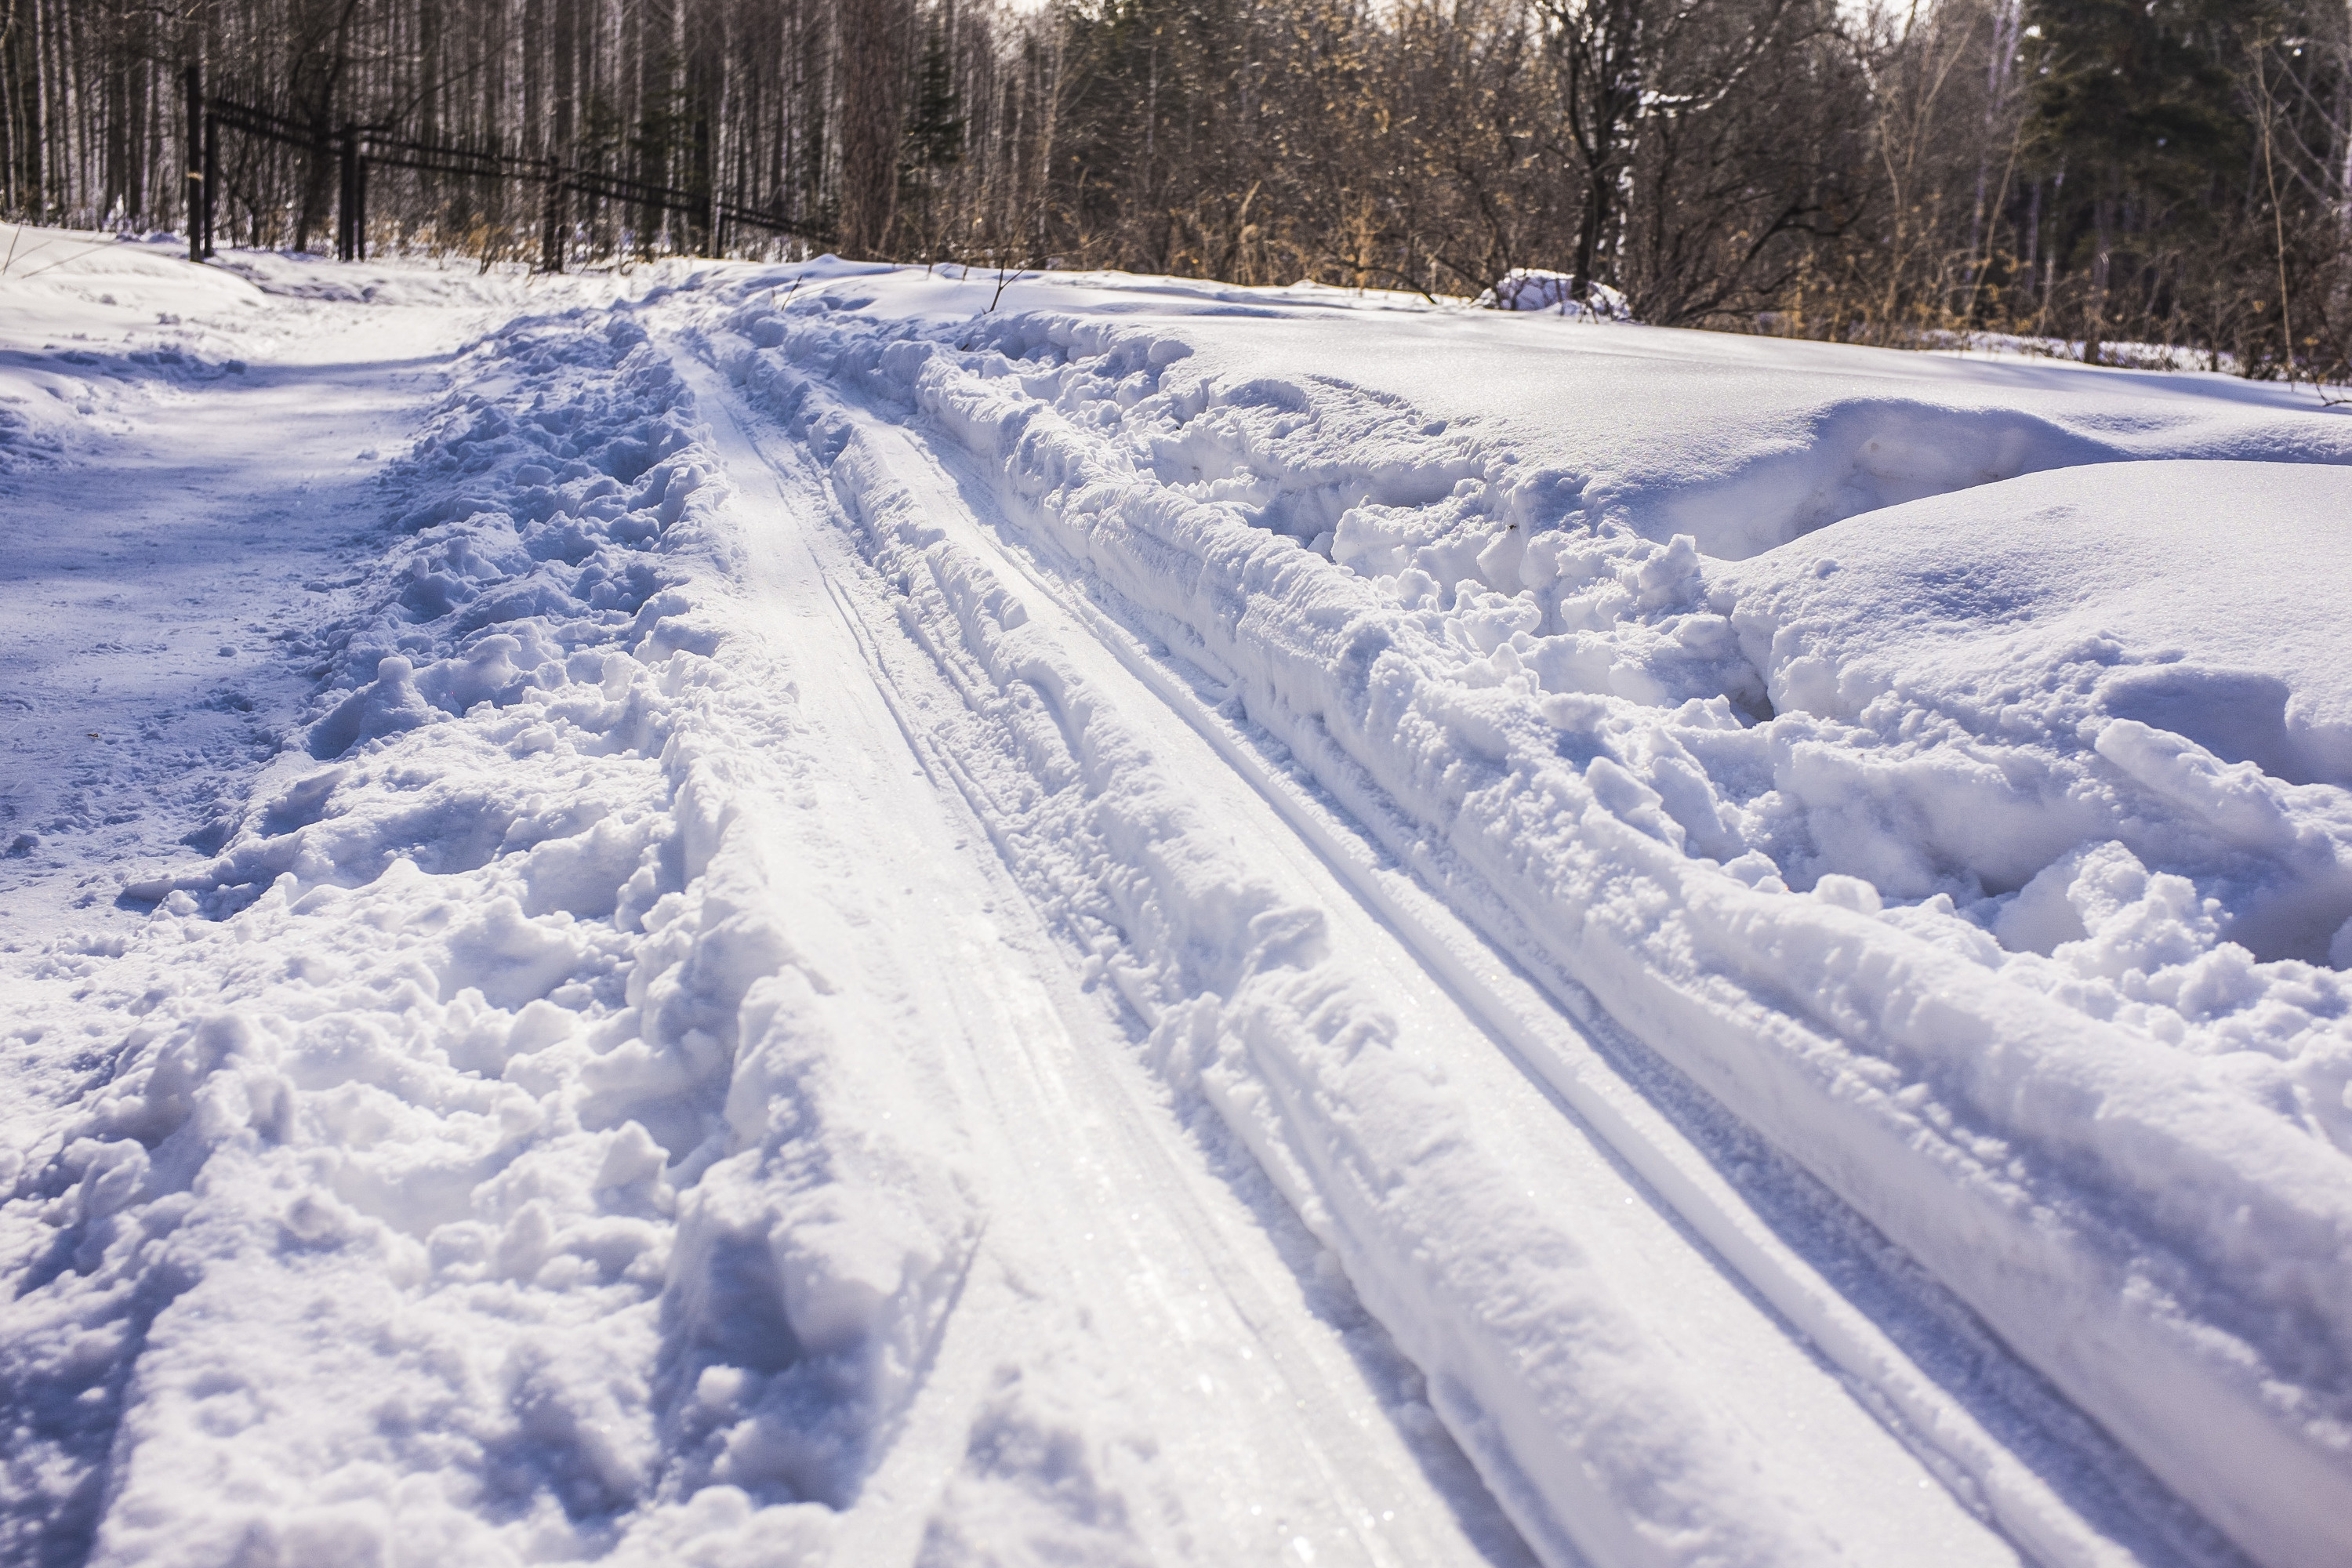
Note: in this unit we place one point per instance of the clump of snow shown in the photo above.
(1533, 288)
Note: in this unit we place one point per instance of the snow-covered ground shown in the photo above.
(826, 914)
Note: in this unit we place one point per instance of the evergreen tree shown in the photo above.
(2134, 112)
(935, 129)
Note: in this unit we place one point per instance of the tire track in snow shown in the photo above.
(1728, 1466)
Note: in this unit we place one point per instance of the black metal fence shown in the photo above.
(357, 148)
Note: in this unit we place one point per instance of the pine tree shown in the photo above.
(2132, 108)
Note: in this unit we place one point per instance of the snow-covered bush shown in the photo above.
(1534, 288)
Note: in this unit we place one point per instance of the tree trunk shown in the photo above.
(873, 36)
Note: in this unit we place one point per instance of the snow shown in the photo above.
(1534, 288)
(158, 641)
(845, 914)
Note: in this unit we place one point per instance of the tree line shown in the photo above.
(2137, 179)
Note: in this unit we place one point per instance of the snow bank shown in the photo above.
(187, 449)
(97, 334)
(2118, 1137)
(2136, 630)
(499, 1174)
(1742, 443)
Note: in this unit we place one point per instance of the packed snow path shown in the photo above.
(1139, 922)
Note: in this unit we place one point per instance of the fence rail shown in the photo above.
(357, 148)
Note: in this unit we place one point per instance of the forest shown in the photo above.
(2128, 181)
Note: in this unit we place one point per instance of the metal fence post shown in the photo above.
(550, 241)
(198, 188)
(350, 157)
(212, 177)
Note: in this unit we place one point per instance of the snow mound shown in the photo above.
(2191, 596)
(1744, 444)
(2098, 709)
(1533, 288)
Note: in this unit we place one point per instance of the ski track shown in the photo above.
(1558, 1045)
(1526, 1142)
(1188, 495)
(1493, 1010)
(763, 1012)
(1164, 1252)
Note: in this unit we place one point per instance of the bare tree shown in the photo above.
(2172, 176)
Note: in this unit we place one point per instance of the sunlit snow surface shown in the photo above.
(827, 914)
